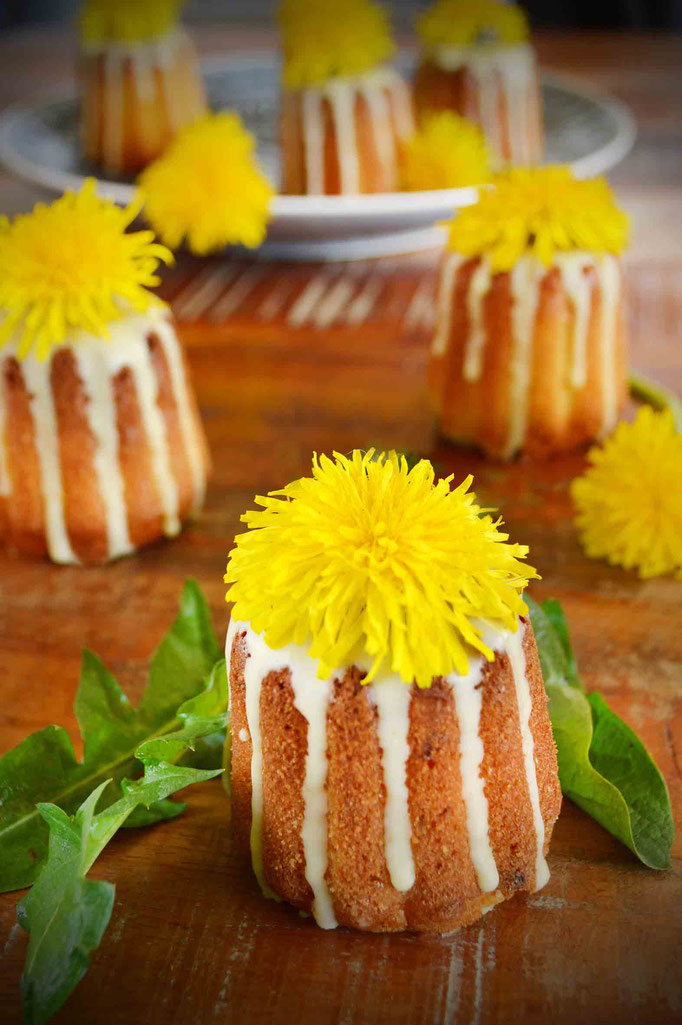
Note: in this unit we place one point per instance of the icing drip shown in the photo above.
(610, 298)
(39, 386)
(341, 98)
(468, 702)
(5, 481)
(524, 281)
(313, 141)
(392, 697)
(375, 87)
(446, 285)
(579, 290)
(190, 436)
(139, 362)
(517, 659)
(311, 698)
(479, 286)
(382, 128)
(101, 413)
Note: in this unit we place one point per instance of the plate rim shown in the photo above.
(294, 209)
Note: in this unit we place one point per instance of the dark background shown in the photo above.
(635, 14)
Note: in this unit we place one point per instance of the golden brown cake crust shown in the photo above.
(437, 89)
(445, 894)
(373, 175)
(22, 512)
(560, 416)
(127, 121)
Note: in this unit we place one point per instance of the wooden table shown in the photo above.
(191, 940)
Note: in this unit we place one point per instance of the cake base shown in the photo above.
(468, 822)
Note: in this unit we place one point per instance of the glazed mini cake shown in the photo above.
(139, 82)
(344, 111)
(529, 350)
(385, 777)
(478, 62)
(101, 447)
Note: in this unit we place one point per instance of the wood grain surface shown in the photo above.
(192, 941)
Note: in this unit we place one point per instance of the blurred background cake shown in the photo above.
(344, 110)
(529, 349)
(385, 777)
(139, 81)
(477, 60)
(101, 448)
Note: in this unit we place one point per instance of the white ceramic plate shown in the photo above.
(589, 131)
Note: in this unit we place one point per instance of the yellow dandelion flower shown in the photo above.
(447, 152)
(629, 500)
(543, 211)
(472, 22)
(323, 39)
(73, 265)
(208, 188)
(370, 552)
(127, 21)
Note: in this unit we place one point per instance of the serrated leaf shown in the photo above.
(44, 767)
(65, 913)
(603, 766)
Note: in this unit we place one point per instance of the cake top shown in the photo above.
(446, 152)
(207, 187)
(72, 265)
(473, 23)
(127, 21)
(324, 39)
(369, 554)
(543, 211)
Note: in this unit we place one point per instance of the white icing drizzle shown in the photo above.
(5, 480)
(100, 410)
(579, 291)
(382, 128)
(495, 70)
(191, 438)
(446, 287)
(312, 697)
(479, 286)
(468, 703)
(392, 698)
(313, 140)
(524, 282)
(610, 297)
(388, 103)
(341, 98)
(517, 660)
(140, 363)
(37, 378)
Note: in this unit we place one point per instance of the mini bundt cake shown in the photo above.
(101, 447)
(385, 777)
(478, 62)
(344, 112)
(529, 349)
(139, 82)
